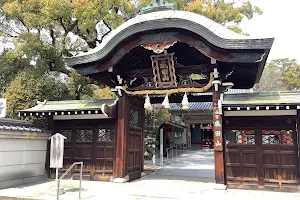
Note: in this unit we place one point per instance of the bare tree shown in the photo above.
(270, 81)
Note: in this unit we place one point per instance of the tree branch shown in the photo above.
(52, 37)
(73, 26)
(10, 35)
(23, 23)
(62, 24)
(100, 41)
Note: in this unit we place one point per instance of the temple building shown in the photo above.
(165, 56)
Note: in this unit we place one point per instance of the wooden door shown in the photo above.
(83, 147)
(261, 154)
(91, 142)
(240, 157)
(135, 139)
(279, 157)
(104, 156)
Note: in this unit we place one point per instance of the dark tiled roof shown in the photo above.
(174, 124)
(211, 31)
(193, 106)
(18, 125)
(263, 98)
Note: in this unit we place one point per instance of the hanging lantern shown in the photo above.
(201, 126)
(165, 103)
(147, 104)
(185, 102)
(193, 125)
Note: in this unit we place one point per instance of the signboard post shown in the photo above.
(57, 152)
(2, 108)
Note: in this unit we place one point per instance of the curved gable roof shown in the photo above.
(211, 31)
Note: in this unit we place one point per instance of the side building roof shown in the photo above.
(265, 100)
(72, 107)
(19, 125)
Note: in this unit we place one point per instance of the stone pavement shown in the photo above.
(193, 163)
(189, 176)
(151, 187)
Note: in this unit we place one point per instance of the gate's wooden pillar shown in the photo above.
(218, 141)
(298, 145)
(121, 140)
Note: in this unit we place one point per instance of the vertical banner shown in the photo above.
(217, 119)
(2, 108)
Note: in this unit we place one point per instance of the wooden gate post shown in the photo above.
(298, 145)
(121, 141)
(218, 141)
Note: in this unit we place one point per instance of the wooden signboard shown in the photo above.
(57, 150)
(218, 144)
(163, 71)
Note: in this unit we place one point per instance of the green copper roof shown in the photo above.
(158, 5)
(72, 105)
(264, 98)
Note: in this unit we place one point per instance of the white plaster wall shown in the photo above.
(22, 157)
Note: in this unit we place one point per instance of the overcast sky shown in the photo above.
(281, 20)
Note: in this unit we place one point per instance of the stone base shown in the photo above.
(120, 180)
(143, 174)
(53, 191)
(220, 187)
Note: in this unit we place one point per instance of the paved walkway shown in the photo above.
(189, 176)
(193, 163)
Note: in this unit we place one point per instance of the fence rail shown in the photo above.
(70, 168)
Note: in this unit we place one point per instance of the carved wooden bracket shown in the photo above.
(159, 47)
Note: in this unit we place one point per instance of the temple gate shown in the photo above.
(161, 56)
(165, 55)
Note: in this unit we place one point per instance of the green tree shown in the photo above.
(280, 74)
(30, 86)
(153, 120)
(290, 72)
(79, 86)
(103, 93)
(56, 20)
(10, 65)
(44, 31)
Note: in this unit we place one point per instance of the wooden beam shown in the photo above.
(179, 86)
(121, 141)
(180, 70)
